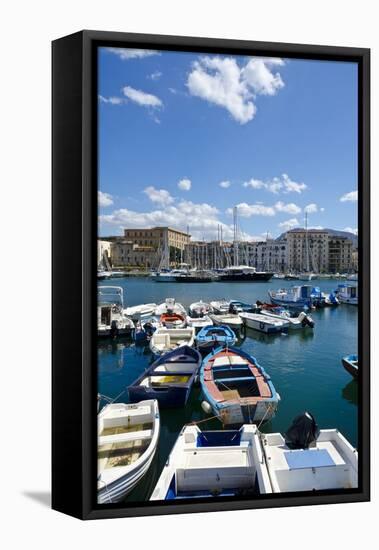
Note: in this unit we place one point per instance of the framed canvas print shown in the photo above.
(211, 281)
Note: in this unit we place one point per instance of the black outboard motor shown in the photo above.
(114, 329)
(232, 309)
(303, 432)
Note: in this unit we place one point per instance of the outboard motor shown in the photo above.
(233, 309)
(303, 432)
(114, 329)
(306, 320)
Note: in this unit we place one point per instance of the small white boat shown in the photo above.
(220, 463)
(101, 274)
(264, 323)
(127, 441)
(229, 319)
(199, 309)
(220, 306)
(306, 276)
(142, 311)
(294, 323)
(199, 322)
(347, 294)
(167, 339)
(328, 462)
(170, 306)
(111, 320)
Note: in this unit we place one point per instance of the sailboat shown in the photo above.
(241, 273)
(307, 275)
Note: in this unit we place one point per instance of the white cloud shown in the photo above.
(322, 209)
(277, 184)
(351, 230)
(247, 210)
(104, 199)
(112, 100)
(290, 208)
(159, 196)
(155, 75)
(225, 184)
(132, 53)
(184, 184)
(142, 98)
(254, 184)
(350, 197)
(223, 82)
(311, 208)
(289, 224)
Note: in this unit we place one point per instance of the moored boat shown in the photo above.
(236, 306)
(350, 364)
(231, 320)
(244, 273)
(141, 311)
(199, 309)
(347, 294)
(309, 459)
(211, 337)
(145, 328)
(127, 441)
(169, 379)
(296, 297)
(111, 320)
(169, 306)
(173, 320)
(199, 322)
(237, 388)
(264, 323)
(220, 306)
(219, 463)
(166, 339)
(303, 320)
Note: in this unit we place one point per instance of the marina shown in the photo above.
(297, 362)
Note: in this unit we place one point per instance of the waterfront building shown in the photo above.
(308, 250)
(269, 255)
(340, 254)
(125, 253)
(157, 237)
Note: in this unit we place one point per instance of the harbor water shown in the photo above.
(305, 366)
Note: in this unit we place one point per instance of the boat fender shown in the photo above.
(206, 407)
(114, 329)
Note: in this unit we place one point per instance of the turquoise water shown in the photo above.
(305, 366)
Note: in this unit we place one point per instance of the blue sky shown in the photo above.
(185, 137)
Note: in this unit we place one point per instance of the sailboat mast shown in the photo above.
(306, 243)
(235, 235)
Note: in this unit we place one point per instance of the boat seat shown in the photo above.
(125, 437)
(264, 389)
(213, 390)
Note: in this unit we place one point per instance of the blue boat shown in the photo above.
(296, 297)
(169, 379)
(236, 388)
(350, 363)
(211, 337)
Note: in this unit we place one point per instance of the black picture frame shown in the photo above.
(74, 204)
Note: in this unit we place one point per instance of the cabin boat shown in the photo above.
(237, 388)
(231, 320)
(220, 463)
(244, 273)
(145, 328)
(111, 320)
(347, 294)
(199, 322)
(169, 379)
(196, 276)
(211, 337)
(296, 297)
(303, 320)
(142, 311)
(220, 306)
(235, 306)
(325, 461)
(170, 306)
(265, 323)
(199, 309)
(127, 441)
(167, 339)
(350, 363)
(166, 276)
(173, 320)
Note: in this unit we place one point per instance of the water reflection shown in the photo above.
(350, 392)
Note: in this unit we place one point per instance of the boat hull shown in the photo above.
(246, 277)
(349, 366)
